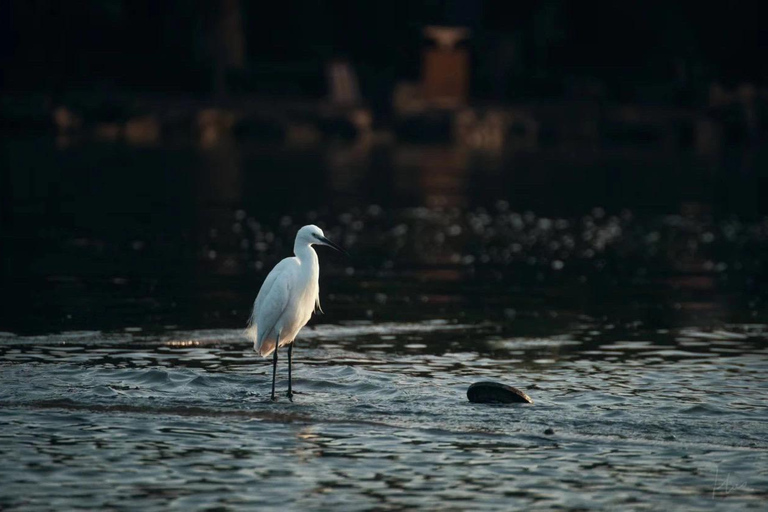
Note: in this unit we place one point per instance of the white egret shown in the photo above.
(287, 299)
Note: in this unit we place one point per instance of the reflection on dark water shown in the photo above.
(104, 236)
(632, 313)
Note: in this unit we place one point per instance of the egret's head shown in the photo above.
(311, 234)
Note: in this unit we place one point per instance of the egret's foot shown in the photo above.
(273, 397)
(289, 394)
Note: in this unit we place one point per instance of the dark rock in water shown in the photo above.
(495, 393)
(550, 431)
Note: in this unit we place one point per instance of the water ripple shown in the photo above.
(382, 420)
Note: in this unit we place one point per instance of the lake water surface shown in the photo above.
(641, 334)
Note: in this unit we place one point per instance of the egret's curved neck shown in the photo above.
(306, 254)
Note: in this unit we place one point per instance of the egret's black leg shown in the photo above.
(290, 360)
(274, 366)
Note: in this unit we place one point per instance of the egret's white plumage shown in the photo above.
(289, 295)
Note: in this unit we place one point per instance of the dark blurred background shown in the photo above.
(547, 72)
(96, 59)
(650, 52)
(148, 145)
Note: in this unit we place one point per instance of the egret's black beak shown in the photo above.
(327, 242)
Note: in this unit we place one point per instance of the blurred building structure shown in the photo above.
(445, 67)
(494, 75)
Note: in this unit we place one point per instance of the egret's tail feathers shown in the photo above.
(252, 333)
(266, 348)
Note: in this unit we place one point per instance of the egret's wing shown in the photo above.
(263, 293)
(258, 321)
(252, 331)
(317, 304)
(273, 306)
